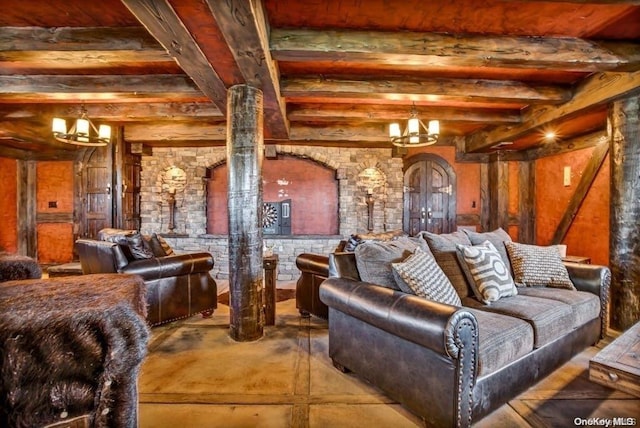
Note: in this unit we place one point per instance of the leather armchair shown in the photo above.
(178, 286)
(314, 269)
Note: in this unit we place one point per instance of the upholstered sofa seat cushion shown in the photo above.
(502, 339)
(585, 306)
(549, 318)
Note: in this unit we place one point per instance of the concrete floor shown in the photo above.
(196, 376)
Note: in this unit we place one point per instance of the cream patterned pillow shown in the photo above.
(487, 273)
(420, 274)
(538, 266)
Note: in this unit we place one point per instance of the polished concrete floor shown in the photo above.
(196, 376)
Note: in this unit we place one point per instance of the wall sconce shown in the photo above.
(370, 204)
(172, 208)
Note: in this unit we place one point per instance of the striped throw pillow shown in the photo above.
(487, 273)
(420, 274)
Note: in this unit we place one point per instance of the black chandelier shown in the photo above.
(416, 134)
(82, 133)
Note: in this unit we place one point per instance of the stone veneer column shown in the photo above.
(245, 152)
(624, 257)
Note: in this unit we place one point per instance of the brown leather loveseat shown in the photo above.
(178, 286)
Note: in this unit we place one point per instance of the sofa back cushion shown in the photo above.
(133, 244)
(443, 247)
(374, 258)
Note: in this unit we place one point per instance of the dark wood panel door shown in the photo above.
(97, 179)
(429, 195)
(131, 192)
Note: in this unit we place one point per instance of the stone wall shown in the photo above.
(353, 169)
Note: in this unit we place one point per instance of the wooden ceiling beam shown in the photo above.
(244, 26)
(174, 131)
(596, 90)
(490, 91)
(385, 113)
(161, 20)
(437, 49)
(114, 112)
(37, 88)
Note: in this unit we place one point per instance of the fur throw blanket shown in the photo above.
(14, 266)
(71, 346)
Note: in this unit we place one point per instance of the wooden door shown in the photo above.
(131, 192)
(96, 192)
(429, 195)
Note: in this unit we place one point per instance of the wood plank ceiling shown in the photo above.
(333, 72)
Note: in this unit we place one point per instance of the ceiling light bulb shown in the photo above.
(414, 126)
(434, 127)
(394, 130)
(104, 132)
(59, 126)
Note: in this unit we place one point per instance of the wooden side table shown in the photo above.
(270, 265)
(577, 259)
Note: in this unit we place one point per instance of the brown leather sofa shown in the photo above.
(178, 286)
(447, 363)
(314, 269)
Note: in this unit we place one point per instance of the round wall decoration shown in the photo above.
(269, 215)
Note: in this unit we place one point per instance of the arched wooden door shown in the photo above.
(429, 195)
(96, 210)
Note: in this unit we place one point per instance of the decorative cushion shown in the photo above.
(497, 237)
(155, 245)
(420, 274)
(374, 258)
(134, 246)
(487, 274)
(139, 248)
(538, 266)
(443, 247)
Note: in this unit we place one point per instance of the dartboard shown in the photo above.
(269, 215)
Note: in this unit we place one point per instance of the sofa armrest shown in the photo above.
(314, 264)
(445, 329)
(175, 265)
(595, 279)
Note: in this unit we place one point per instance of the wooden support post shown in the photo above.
(270, 264)
(499, 194)
(527, 202)
(624, 256)
(245, 152)
(485, 208)
(27, 225)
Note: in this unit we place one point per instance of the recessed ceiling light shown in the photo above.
(550, 135)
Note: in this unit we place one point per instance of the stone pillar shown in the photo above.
(624, 245)
(245, 152)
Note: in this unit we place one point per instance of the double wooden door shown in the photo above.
(429, 195)
(109, 192)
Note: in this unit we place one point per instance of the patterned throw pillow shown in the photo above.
(538, 266)
(488, 275)
(497, 237)
(420, 274)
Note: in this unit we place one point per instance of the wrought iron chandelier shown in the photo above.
(82, 133)
(416, 134)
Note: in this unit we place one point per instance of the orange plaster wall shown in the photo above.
(8, 205)
(55, 183)
(589, 233)
(467, 179)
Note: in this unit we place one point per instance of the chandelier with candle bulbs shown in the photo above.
(82, 133)
(416, 134)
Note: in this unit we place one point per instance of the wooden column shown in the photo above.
(498, 194)
(527, 202)
(624, 245)
(245, 151)
(27, 225)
